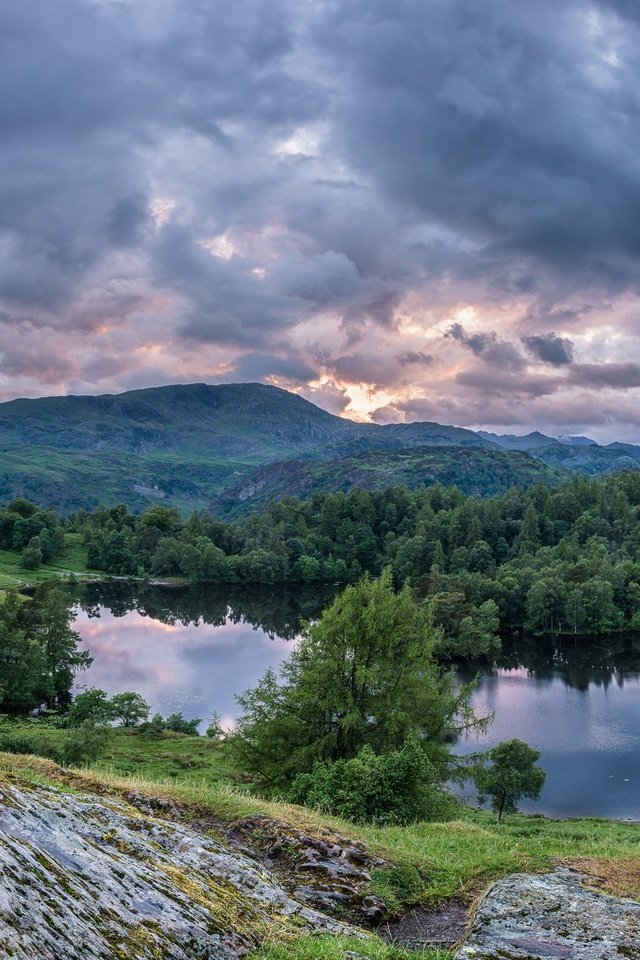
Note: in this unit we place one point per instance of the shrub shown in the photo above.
(398, 787)
(84, 744)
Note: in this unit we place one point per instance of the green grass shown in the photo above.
(336, 948)
(429, 861)
(164, 756)
(72, 563)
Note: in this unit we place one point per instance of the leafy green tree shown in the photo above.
(39, 656)
(91, 705)
(24, 679)
(32, 555)
(364, 674)
(510, 775)
(575, 611)
(129, 708)
(60, 643)
(179, 724)
(214, 730)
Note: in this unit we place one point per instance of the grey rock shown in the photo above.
(89, 878)
(551, 917)
(330, 872)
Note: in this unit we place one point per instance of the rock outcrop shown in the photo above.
(551, 917)
(91, 878)
(329, 872)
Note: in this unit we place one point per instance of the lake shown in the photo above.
(193, 649)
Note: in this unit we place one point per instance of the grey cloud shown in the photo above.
(487, 345)
(415, 356)
(476, 342)
(488, 381)
(496, 126)
(622, 376)
(550, 348)
(259, 366)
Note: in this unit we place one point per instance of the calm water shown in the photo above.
(193, 650)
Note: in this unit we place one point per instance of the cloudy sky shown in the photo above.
(401, 209)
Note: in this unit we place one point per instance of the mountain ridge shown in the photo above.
(185, 444)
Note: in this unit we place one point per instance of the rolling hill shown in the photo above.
(475, 471)
(185, 445)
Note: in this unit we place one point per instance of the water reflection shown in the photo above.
(188, 649)
(579, 703)
(193, 649)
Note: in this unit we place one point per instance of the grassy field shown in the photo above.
(73, 563)
(163, 756)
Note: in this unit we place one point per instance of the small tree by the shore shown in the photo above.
(511, 775)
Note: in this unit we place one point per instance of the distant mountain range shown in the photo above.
(234, 446)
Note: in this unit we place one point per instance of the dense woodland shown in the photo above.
(547, 560)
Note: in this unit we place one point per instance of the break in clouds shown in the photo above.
(407, 210)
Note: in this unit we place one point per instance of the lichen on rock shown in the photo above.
(551, 917)
(83, 878)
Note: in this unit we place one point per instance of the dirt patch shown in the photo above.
(619, 877)
(441, 926)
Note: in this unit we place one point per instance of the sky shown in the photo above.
(400, 209)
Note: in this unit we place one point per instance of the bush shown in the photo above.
(84, 744)
(399, 787)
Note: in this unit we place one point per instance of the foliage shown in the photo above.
(511, 775)
(177, 723)
(91, 705)
(398, 787)
(39, 653)
(364, 674)
(129, 708)
(562, 560)
(84, 744)
(214, 729)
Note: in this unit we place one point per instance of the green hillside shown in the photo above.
(185, 445)
(180, 444)
(475, 471)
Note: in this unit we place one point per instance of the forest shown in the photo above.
(561, 560)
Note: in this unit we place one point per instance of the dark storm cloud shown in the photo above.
(550, 348)
(513, 125)
(487, 345)
(258, 366)
(623, 376)
(270, 189)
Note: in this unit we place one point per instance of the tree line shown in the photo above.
(563, 560)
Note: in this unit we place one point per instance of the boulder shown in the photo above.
(551, 917)
(93, 878)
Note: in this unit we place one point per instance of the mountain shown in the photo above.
(475, 471)
(593, 460)
(509, 441)
(179, 444)
(185, 445)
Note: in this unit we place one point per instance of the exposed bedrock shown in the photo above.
(551, 917)
(92, 878)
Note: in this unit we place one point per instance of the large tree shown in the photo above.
(39, 653)
(364, 674)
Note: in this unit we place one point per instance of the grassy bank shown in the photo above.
(155, 756)
(430, 861)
